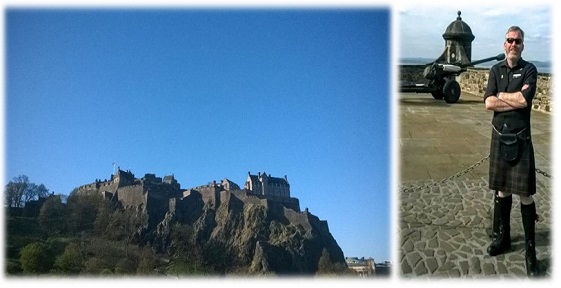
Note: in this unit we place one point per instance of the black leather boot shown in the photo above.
(501, 243)
(496, 215)
(529, 218)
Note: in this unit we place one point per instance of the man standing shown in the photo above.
(510, 90)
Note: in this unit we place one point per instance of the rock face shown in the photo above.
(261, 226)
(263, 235)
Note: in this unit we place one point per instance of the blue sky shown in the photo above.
(208, 94)
(422, 25)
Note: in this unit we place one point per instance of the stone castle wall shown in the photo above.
(304, 219)
(132, 196)
(250, 198)
(110, 186)
(474, 81)
(295, 217)
(210, 194)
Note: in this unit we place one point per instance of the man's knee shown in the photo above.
(526, 200)
(504, 194)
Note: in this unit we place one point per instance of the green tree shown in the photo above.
(324, 263)
(125, 224)
(71, 261)
(327, 267)
(51, 216)
(126, 266)
(218, 257)
(82, 210)
(95, 266)
(182, 243)
(36, 259)
(103, 218)
(186, 256)
(146, 262)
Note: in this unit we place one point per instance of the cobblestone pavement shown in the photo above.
(445, 222)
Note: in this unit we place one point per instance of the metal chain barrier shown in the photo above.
(433, 184)
(543, 173)
(417, 188)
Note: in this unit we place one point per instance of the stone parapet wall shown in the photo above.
(412, 74)
(474, 81)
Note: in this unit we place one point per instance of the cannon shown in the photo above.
(456, 58)
(442, 82)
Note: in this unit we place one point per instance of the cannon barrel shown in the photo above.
(498, 58)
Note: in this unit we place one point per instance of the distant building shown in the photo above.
(364, 267)
(383, 269)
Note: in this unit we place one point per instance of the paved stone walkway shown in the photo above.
(444, 224)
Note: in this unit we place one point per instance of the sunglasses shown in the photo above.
(515, 40)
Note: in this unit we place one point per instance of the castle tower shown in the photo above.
(123, 178)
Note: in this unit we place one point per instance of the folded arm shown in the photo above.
(507, 101)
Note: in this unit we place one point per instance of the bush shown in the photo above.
(35, 258)
(186, 267)
(126, 266)
(147, 262)
(71, 261)
(95, 266)
(13, 268)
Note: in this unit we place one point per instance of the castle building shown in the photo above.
(263, 184)
(229, 185)
(170, 180)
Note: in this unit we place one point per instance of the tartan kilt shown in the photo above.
(516, 177)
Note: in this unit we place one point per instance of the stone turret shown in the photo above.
(458, 38)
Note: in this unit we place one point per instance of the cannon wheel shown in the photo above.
(451, 91)
(438, 95)
(437, 91)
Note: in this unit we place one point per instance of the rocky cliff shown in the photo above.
(262, 236)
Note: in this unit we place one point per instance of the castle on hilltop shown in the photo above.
(157, 196)
(161, 199)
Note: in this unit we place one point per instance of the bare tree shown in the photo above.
(15, 191)
(34, 192)
(20, 191)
